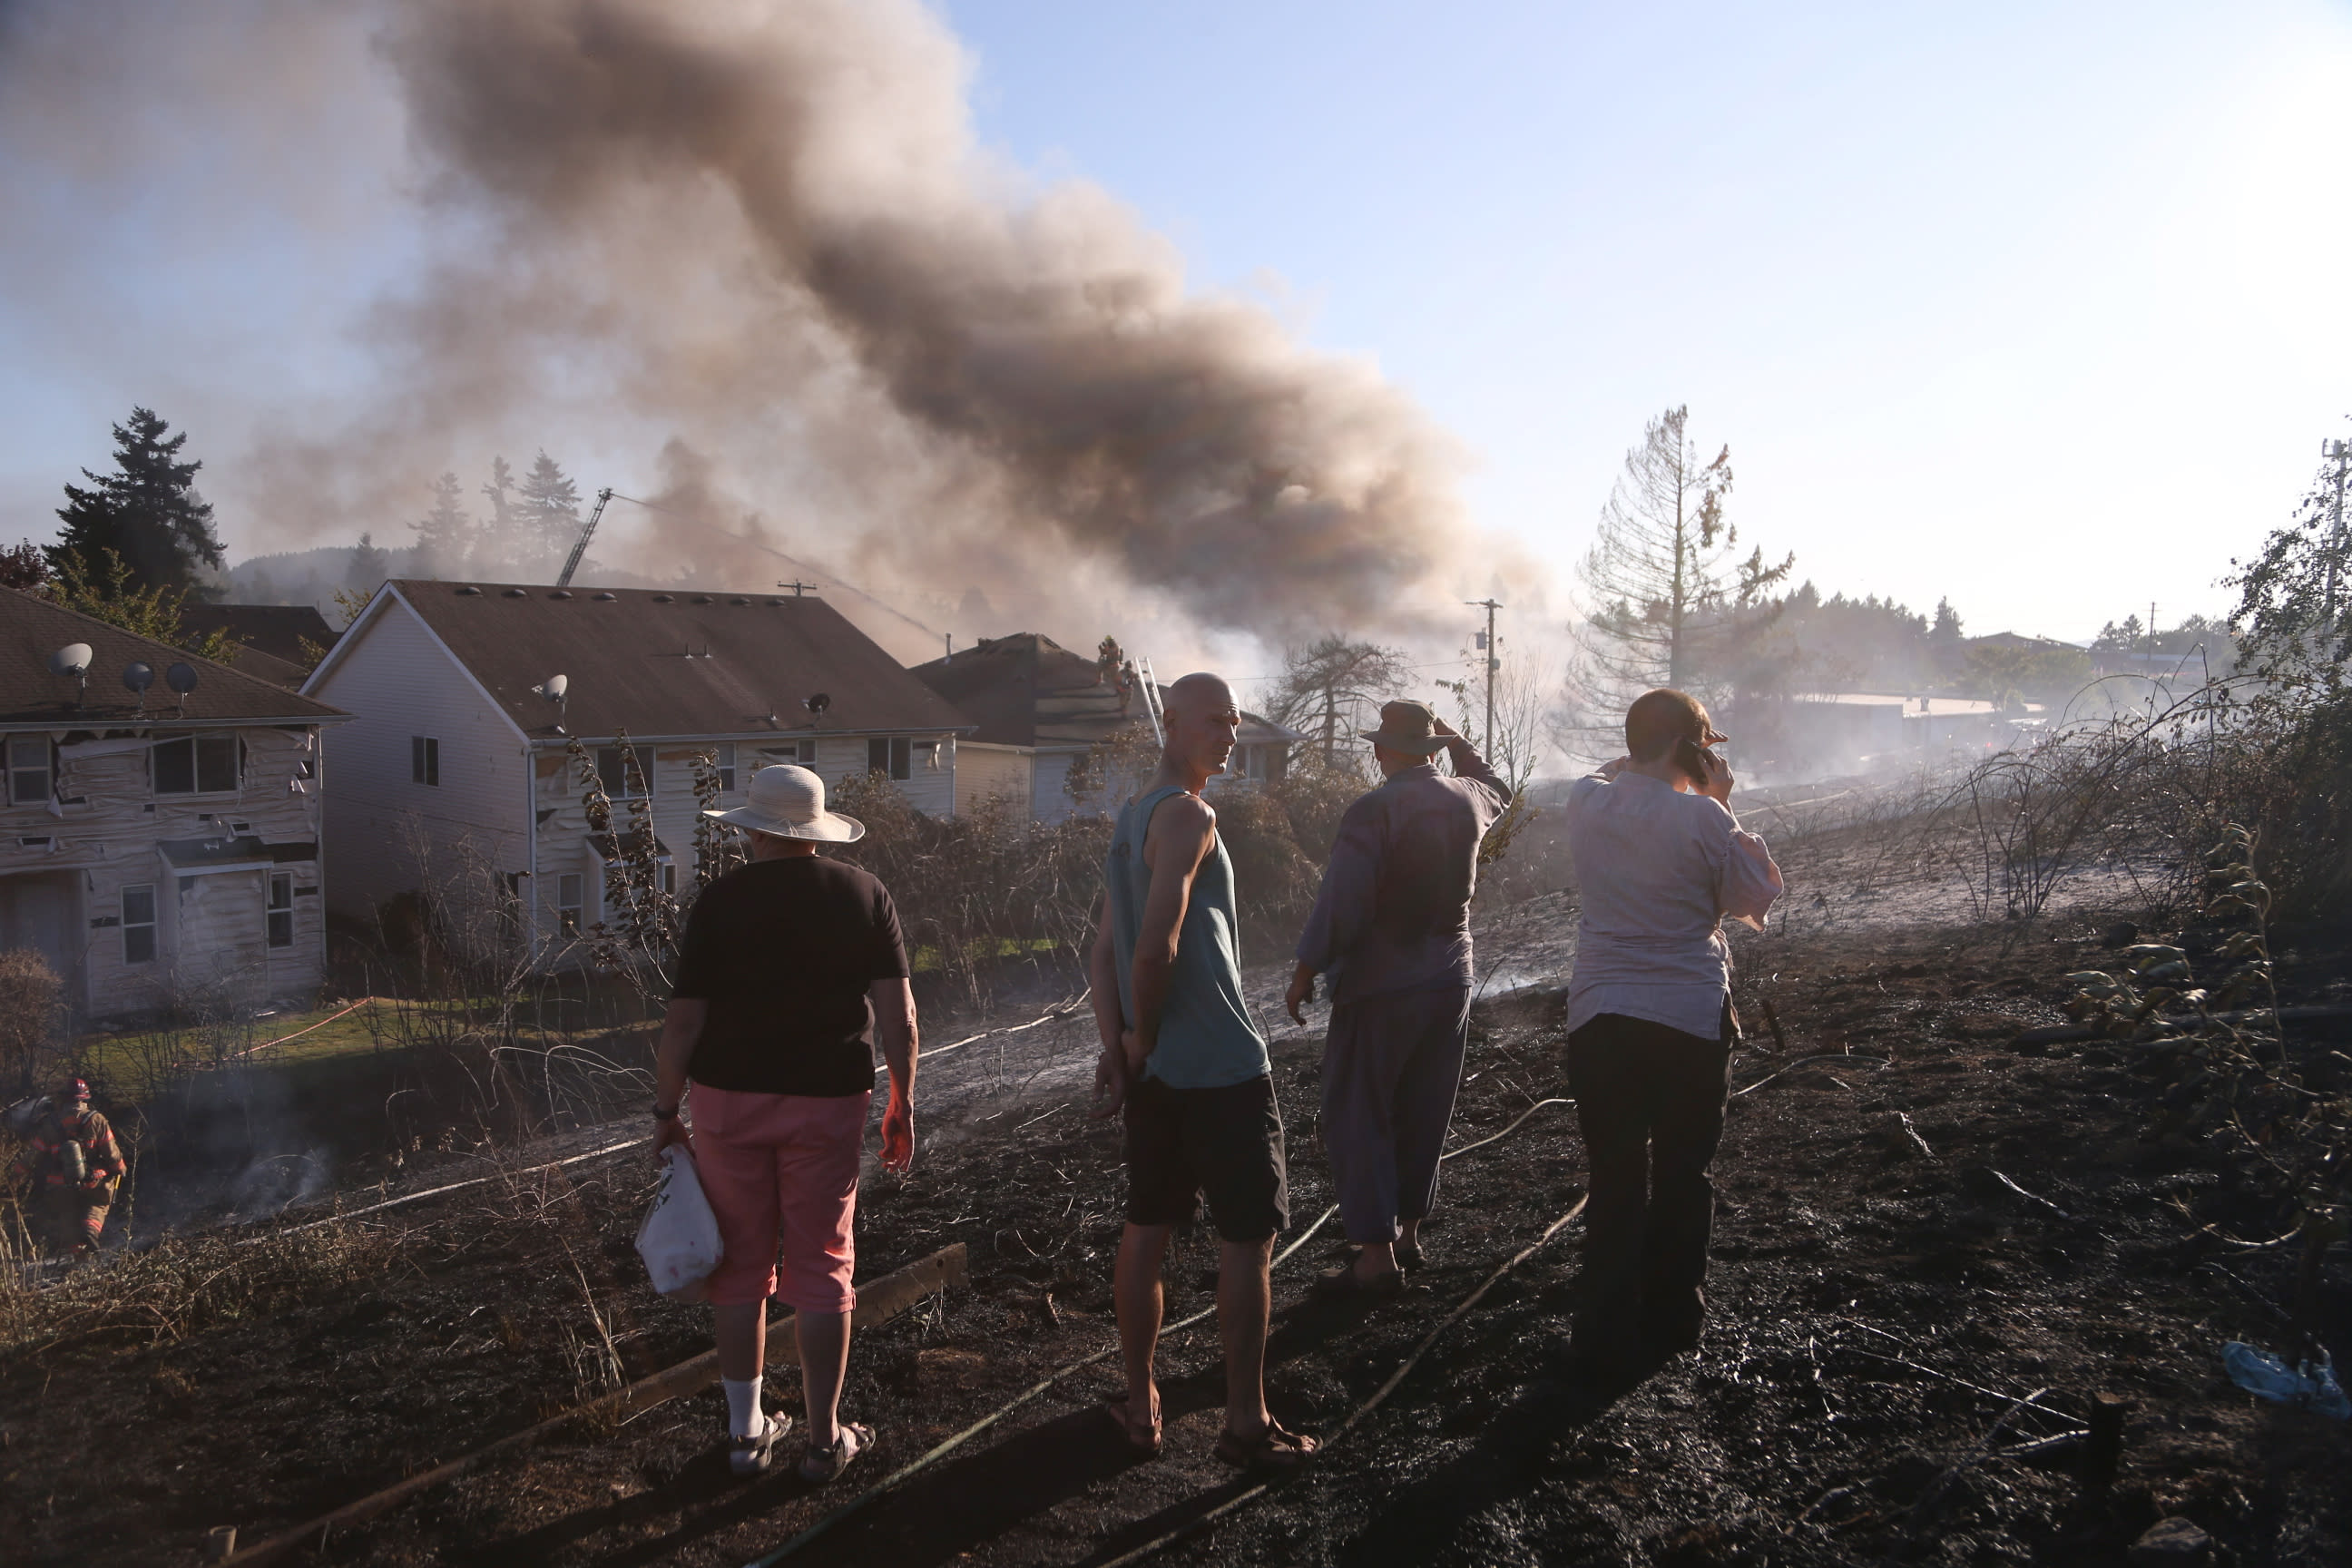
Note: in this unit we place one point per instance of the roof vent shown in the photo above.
(665, 599)
(701, 599)
(469, 590)
(561, 594)
(739, 600)
(517, 593)
(775, 601)
(606, 598)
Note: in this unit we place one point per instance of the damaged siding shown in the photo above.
(96, 863)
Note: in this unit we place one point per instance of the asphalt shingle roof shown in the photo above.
(33, 628)
(1026, 690)
(675, 663)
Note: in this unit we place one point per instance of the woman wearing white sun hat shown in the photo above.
(790, 967)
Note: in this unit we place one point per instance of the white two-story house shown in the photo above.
(466, 698)
(160, 835)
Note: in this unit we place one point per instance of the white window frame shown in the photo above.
(279, 917)
(724, 755)
(47, 768)
(425, 761)
(616, 783)
(150, 925)
(668, 864)
(195, 744)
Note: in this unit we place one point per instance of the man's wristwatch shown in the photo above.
(665, 1113)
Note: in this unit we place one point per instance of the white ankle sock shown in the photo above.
(744, 1416)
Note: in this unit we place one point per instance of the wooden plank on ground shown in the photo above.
(877, 1303)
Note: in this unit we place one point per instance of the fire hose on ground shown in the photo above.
(906, 1472)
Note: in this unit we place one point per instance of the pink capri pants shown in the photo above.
(781, 1167)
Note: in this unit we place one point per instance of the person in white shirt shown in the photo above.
(1661, 862)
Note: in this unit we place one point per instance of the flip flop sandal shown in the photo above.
(1117, 1410)
(1345, 1284)
(1275, 1449)
(822, 1465)
(749, 1455)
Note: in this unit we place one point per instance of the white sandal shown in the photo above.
(749, 1455)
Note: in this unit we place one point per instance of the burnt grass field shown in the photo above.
(1881, 1302)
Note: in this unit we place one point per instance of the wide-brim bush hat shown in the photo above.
(789, 802)
(1408, 727)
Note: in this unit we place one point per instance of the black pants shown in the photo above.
(1650, 1101)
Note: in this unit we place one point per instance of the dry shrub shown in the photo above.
(30, 993)
(185, 1284)
(978, 891)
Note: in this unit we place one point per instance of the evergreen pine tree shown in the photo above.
(147, 512)
(549, 511)
(497, 544)
(368, 569)
(445, 540)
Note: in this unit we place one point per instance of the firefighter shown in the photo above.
(75, 1165)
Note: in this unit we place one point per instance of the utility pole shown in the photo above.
(1486, 641)
(2342, 452)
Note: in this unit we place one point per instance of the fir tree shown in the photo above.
(147, 512)
(445, 540)
(368, 569)
(495, 546)
(549, 511)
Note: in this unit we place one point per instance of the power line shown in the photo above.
(794, 561)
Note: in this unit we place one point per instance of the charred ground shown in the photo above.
(1863, 1284)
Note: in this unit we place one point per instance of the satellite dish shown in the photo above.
(139, 675)
(71, 659)
(181, 678)
(552, 688)
(818, 703)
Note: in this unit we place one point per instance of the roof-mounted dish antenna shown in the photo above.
(553, 690)
(73, 659)
(139, 675)
(182, 678)
(816, 703)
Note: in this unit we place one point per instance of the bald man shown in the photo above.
(1185, 1061)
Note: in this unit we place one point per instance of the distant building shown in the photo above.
(157, 851)
(1840, 731)
(271, 637)
(455, 754)
(1037, 709)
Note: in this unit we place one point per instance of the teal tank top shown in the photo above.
(1207, 1037)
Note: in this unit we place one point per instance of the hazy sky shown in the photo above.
(2035, 306)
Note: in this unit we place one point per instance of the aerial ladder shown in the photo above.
(580, 546)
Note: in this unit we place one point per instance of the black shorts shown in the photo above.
(1225, 1143)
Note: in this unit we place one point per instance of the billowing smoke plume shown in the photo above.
(763, 228)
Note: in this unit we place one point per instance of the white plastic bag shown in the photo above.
(680, 1237)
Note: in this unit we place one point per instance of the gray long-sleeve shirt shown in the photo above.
(1394, 911)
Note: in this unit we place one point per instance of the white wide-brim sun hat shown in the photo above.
(789, 802)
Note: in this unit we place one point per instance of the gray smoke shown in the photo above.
(763, 228)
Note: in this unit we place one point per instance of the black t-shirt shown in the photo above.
(784, 951)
